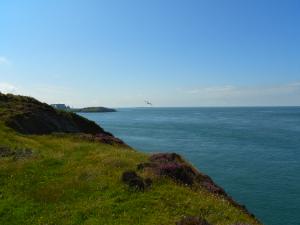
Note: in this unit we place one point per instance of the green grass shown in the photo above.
(71, 181)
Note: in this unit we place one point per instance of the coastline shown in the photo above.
(78, 150)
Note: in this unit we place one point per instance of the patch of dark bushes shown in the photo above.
(135, 181)
(174, 166)
(15, 153)
(105, 137)
(241, 224)
(6, 152)
(170, 165)
(192, 220)
(166, 157)
(177, 171)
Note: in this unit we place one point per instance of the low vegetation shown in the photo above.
(29, 116)
(66, 179)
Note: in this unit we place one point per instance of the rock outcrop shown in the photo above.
(192, 220)
(106, 138)
(174, 166)
(135, 181)
(15, 153)
(26, 115)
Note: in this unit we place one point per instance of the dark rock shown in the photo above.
(6, 152)
(23, 153)
(148, 182)
(133, 180)
(174, 166)
(191, 220)
(145, 165)
(171, 165)
(241, 224)
(105, 138)
(128, 175)
(177, 171)
(209, 184)
(166, 157)
(15, 153)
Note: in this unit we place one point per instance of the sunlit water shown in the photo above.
(254, 153)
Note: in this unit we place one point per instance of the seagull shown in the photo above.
(148, 103)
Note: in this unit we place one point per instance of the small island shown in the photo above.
(98, 109)
(93, 109)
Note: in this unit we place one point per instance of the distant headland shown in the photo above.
(86, 109)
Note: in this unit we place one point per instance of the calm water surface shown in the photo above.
(254, 153)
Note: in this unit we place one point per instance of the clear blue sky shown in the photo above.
(171, 52)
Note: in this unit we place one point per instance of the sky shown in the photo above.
(170, 52)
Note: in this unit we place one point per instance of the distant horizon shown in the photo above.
(160, 106)
(245, 106)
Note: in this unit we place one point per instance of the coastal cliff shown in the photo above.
(59, 168)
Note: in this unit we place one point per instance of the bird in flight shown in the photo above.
(148, 103)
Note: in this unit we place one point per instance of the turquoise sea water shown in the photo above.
(254, 153)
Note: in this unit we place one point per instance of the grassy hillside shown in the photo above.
(68, 179)
(29, 116)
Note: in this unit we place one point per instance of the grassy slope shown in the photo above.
(29, 116)
(70, 181)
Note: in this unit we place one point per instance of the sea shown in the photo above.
(252, 152)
